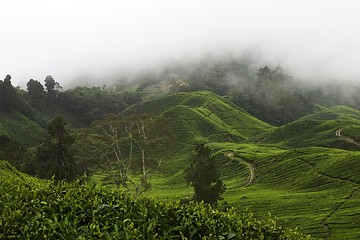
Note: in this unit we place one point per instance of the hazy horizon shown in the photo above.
(98, 39)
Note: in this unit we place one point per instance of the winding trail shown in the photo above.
(250, 166)
(338, 133)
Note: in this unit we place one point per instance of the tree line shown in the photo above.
(85, 103)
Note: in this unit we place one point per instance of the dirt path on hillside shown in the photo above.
(348, 139)
(250, 166)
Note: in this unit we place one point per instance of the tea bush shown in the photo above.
(34, 209)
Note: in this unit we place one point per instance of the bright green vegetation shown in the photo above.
(319, 129)
(203, 116)
(315, 188)
(304, 186)
(35, 209)
(302, 172)
(297, 179)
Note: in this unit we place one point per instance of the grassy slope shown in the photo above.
(196, 117)
(203, 115)
(31, 132)
(21, 128)
(313, 187)
(319, 129)
(8, 173)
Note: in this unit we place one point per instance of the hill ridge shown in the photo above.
(320, 129)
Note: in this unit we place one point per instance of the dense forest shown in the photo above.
(269, 93)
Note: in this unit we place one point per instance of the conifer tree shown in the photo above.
(204, 176)
(55, 155)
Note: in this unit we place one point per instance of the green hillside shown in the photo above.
(308, 186)
(9, 173)
(203, 116)
(30, 132)
(289, 173)
(21, 128)
(319, 129)
(198, 117)
(316, 189)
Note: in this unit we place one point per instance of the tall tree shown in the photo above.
(204, 176)
(55, 155)
(36, 93)
(49, 84)
(9, 98)
(52, 88)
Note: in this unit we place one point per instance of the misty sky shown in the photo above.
(94, 38)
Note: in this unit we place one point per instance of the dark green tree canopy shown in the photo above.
(204, 176)
(55, 155)
(52, 88)
(7, 79)
(36, 93)
(34, 87)
(50, 84)
(9, 98)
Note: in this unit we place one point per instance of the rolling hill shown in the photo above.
(315, 188)
(203, 115)
(303, 172)
(20, 128)
(31, 131)
(319, 129)
(199, 117)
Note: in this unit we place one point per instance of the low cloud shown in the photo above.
(98, 39)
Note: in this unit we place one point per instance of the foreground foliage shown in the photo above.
(31, 209)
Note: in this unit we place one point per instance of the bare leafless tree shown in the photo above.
(131, 143)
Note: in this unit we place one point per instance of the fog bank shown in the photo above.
(99, 39)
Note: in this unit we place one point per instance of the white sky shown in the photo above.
(96, 38)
